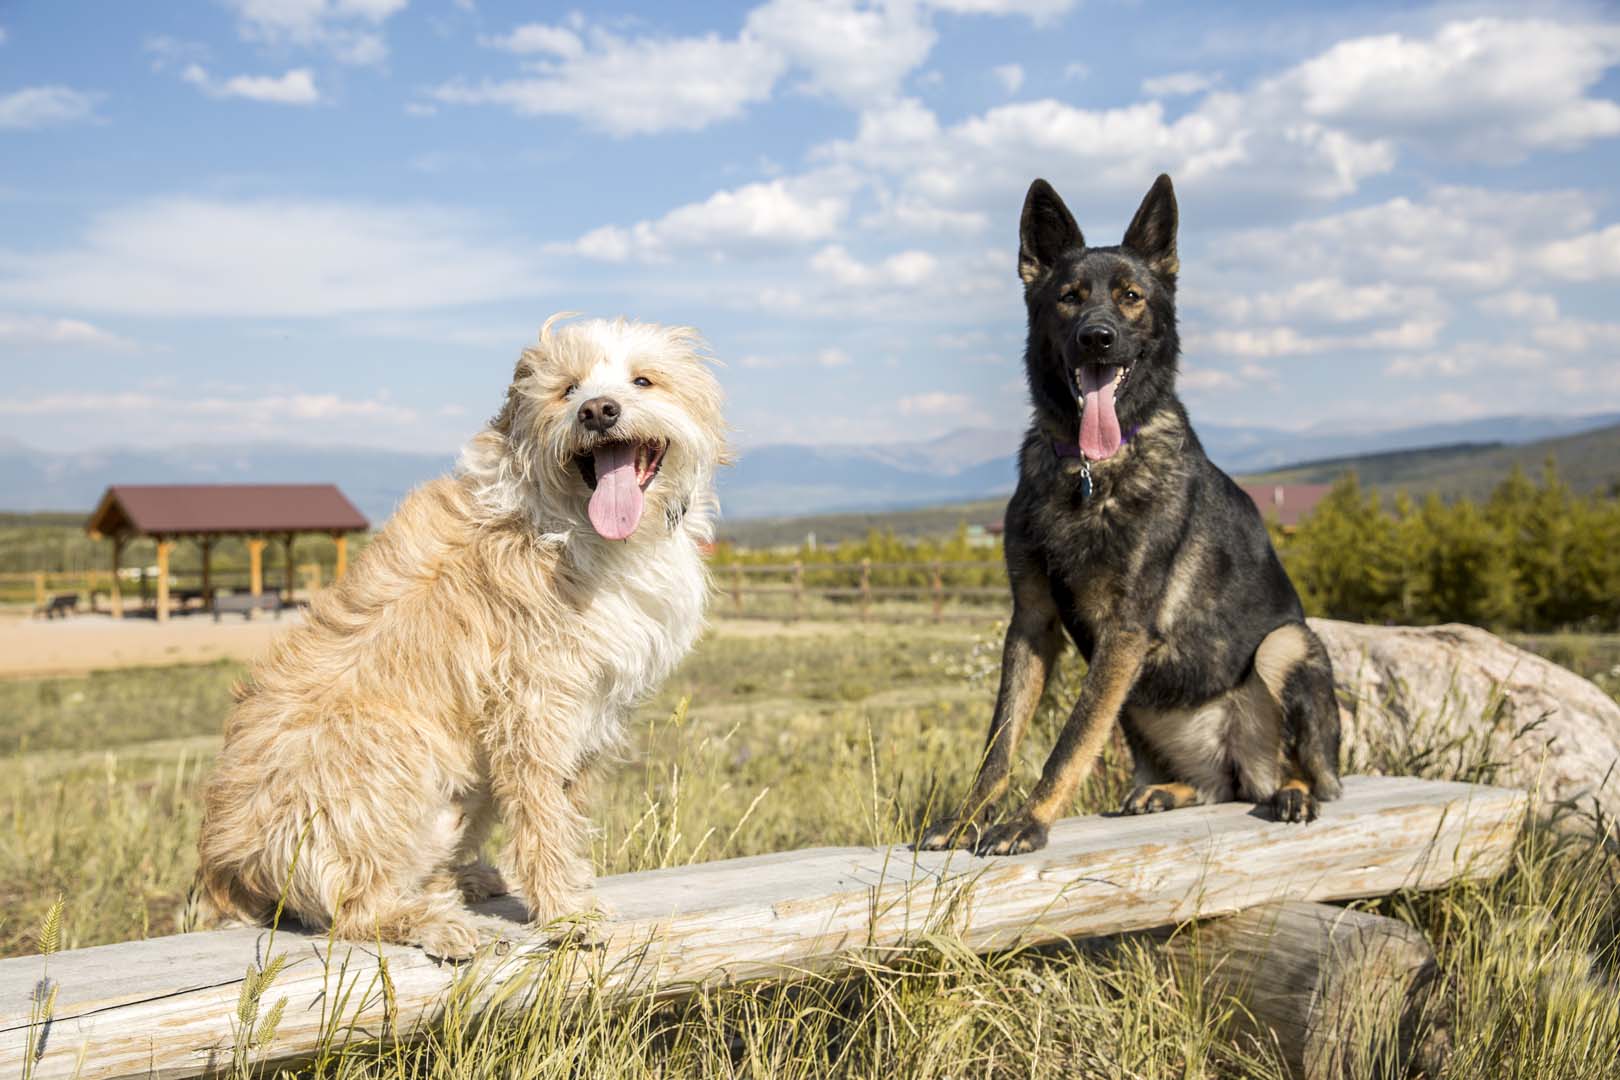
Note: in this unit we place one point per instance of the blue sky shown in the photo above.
(338, 221)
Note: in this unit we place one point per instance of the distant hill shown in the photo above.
(1588, 462)
(771, 481)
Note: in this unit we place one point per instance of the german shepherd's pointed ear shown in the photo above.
(1045, 231)
(1152, 232)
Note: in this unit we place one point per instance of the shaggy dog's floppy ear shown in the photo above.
(533, 357)
(1045, 231)
(1152, 232)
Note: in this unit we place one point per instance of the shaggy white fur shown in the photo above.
(481, 658)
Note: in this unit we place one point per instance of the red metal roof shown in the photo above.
(198, 509)
(1285, 503)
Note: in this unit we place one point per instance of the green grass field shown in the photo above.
(795, 737)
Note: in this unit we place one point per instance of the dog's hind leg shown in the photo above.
(431, 917)
(1294, 666)
(1034, 637)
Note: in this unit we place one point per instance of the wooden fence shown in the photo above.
(863, 590)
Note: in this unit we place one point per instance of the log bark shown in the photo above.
(165, 1007)
(1337, 993)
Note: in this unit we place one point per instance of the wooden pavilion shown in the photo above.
(207, 513)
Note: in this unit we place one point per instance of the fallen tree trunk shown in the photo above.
(176, 1006)
(1337, 993)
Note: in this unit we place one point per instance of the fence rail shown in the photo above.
(852, 590)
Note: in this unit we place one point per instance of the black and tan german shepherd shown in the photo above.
(1124, 535)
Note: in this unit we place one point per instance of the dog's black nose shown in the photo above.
(1096, 338)
(599, 413)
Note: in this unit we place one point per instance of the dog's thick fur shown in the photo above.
(1161, 573)
(480, 659)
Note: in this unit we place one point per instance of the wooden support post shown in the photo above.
(164, 546)
(866, 588)
(342, 544)
(1338, 993)
(256, 566)
(287, 567)
(736, 589)
(206, 543)
(938, 588)
(312, 578)
(164, 1006)
(116, 597)
(798, 589)
(40, 596)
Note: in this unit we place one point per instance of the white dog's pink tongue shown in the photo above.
(616, 503)
(1099, 426)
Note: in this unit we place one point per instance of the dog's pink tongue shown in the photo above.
(615, 506)
(1099, 426)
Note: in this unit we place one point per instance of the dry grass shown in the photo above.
(805, 738)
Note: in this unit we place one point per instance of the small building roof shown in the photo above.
(1286, 504)
(223, 510)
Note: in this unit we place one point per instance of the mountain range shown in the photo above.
(766, 481)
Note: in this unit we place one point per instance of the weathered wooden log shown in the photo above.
(169, 1006)
(1336, 992)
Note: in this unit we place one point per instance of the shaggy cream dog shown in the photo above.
(480, 658)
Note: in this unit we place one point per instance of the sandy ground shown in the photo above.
(89, 642)
(83, 643)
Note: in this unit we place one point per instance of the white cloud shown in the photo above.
(205, 257)
(347, 29)
(1464, 237)
(2, 35)
(904, 269)
(1010, 76)
(537, 38)
(1466, 357)
(1076, 70)
(45, 106)
(1179, 84)
(167, 52)
(939, 403)
(1277, 341)
(254, 412)
(755, 216)
(296, 87)
(1586, 257)
(850, 51)
(834, 357)
(24, 330)
(636, 86)
(1489, 89)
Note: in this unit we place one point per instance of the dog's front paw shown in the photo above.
(449, 938)
(1148, 799)
(948, 833)
(478, 881)
(1016, 837)
(1293, 804)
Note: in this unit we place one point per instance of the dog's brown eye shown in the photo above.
(1132, 296)
(642, 381)
(568, 393)
(1072, 297)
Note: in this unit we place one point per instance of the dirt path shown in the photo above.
(93, 642)
(31, 647)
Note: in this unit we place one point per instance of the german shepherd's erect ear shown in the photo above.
(1045, 231)
(1152, 232)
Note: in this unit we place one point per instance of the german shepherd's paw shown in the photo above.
(1294, 804)
(946, 834)
(1019, 836)
(1150, 799)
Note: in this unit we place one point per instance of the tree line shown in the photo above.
(1534, 556)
